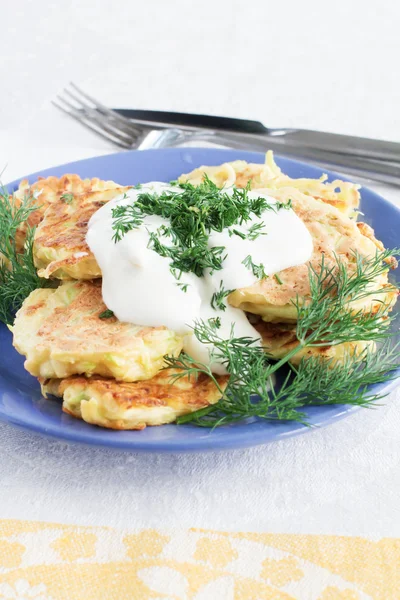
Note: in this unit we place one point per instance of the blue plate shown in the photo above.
(21, 403)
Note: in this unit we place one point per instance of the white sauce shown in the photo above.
(139, 287)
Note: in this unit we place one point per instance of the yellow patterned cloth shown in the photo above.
(46, 561)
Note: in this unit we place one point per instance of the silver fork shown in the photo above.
(140, 134)
(103, 121)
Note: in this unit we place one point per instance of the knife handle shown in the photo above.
(334, 142)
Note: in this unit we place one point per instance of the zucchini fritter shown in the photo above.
(60, 249)
(279, 339)
(343, 195)
(61, 333)
(336, 237)
(114, 405)
(47, 190)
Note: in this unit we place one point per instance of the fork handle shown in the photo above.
(353, 165)
(335, 142)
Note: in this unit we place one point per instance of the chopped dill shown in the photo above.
(257, 270)
(126, 218)
(255, 231)
(106, 314)
(218, 298)
(183, 286)
(193, 213)
(68, 198)
(214, 323)
(240, 234)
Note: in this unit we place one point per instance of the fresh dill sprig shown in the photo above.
(330, 382)
(331, 312)
(18, 276)
(316, 381)
(218, 298)
(325, 320)
(257, 270)
(193, 213)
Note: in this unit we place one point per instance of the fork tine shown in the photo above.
(108, 116)
(126, 137)
(101, 132)
(127, 123)
(138, 126)
(94, 115)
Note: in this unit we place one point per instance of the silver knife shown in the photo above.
(304, 138)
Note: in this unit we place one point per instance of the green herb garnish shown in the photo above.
(214, 323)
(278, 279)
(256, 230)
(252, 234)
(240, 234)
(193, 213)
(68, 198)
(257, 270)
(106, 314)
(325, 320)
(18, 276)
(126, 218)
(218, 298)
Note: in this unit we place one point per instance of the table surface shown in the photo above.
(291, 64)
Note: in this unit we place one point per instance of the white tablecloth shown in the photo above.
(295, 64)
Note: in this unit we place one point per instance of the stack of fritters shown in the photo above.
(107, 372)
(110, 373)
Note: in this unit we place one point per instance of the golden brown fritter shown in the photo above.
(280, 338)
(60, 249)
(114, 405)
(61, 333)
(344, 195)
(47, 190)
(334, 235)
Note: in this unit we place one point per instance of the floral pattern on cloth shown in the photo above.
(46, 561)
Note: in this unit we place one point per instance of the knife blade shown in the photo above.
(318, 140)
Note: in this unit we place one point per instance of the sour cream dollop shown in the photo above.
(139, 287)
